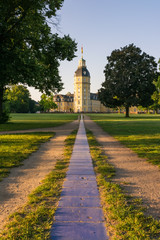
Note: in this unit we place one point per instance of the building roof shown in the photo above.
(82, 72)
(94, 96)
(64, 98)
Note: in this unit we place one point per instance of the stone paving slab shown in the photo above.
(82, 184)
(80, 192)
(80, 164)
(76, 151)
(79, 214)
(80, 157)
(81, 177)
(77, 156)
(83, 161)
(78, 231)
(81, 168)
(80, 172)
(79, 202)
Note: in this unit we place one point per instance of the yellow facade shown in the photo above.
(65, 103)
(95, 105)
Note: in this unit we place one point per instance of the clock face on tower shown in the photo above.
(84, 72)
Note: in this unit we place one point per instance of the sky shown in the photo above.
(102, 26)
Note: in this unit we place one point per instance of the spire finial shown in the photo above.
(82, 51)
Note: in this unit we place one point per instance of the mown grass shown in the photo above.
(124, 215)
(17, 147)
(141, 133)
(36, 120)
(35, 219)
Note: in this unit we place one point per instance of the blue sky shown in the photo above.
(102, 26)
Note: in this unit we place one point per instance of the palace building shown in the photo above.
(82, 100)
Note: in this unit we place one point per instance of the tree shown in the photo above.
(30, 53)
(18, 98)
(129, 76)
(156, 96)
(33, 106)
(47, 103)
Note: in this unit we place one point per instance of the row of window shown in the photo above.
(84, 79)
(64, 100)
(84, 102)
(84, 89)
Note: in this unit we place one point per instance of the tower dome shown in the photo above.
(82, 69)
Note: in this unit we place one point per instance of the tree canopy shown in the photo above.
(156, 95)
(18, 100)
(129, 76)
(30, 52)
(46, 103)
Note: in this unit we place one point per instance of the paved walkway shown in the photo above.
(79, 215)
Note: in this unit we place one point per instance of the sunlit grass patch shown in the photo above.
(141, 133)
(125, 218)
(35, 219)
(17, 147)
(33, 121)
(146, 146)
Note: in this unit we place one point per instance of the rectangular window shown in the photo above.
(78, 101)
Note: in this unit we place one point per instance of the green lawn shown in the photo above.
(34, 219)
(141, 133)
(17, 147)
(124, 215)
(33, 121)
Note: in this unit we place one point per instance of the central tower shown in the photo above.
(82, 87)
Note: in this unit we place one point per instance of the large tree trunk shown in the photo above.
(1, 101)
(127, 111)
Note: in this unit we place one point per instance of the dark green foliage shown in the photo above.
(30, 53)
(4, 117)
(129, 76)
(33, 106)
(17, 100)
(156, 96)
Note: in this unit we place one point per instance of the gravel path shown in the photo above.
(24, 179)
(139, 178)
